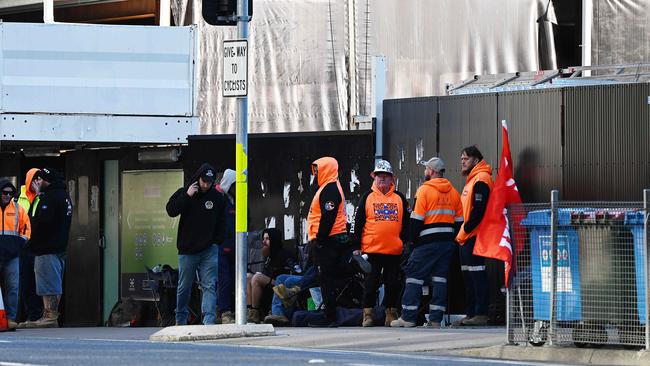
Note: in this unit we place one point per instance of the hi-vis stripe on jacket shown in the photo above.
(15, 230)
(437, 213)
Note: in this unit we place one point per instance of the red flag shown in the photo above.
(493, 239)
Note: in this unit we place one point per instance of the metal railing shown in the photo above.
(594, 290)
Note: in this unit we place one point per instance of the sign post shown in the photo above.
(235, 84)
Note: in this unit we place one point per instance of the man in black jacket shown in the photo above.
(49, 242)
(200, 230)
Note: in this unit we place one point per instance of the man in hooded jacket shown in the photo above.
(29, 198)
(49, 243)
(326, 225)
(475, 198)
(15, 230)
(200, 230)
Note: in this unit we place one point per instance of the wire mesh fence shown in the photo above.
(598, 296)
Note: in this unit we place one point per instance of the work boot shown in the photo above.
(227, 317)
(11, 324)
(367, 317)
(50, 319)
(253, 316)
(459, 322)
(288, 296)
(26, 324)
(276, 320)
(391, 314)
(477, 320)
(399, 323)
(432, 325)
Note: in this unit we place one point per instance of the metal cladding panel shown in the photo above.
(464, 121)
(409, 137)
(97, 69)
(607, 130)
(535, 130)
(280, 186)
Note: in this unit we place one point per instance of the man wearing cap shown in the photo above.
(49, 242)
(435, 220)
(200, 230)
(15, 230)
(475, 198)
(380, 229)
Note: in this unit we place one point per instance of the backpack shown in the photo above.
(125, 313)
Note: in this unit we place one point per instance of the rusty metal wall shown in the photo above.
(464, 121)
(535, 128)
(607, 133)
(410, 136)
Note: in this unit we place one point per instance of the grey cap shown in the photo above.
(382, 166)
(435, 163)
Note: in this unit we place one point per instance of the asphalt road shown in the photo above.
(17, 350)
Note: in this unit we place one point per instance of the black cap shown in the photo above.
(49, 174)
(208, 175)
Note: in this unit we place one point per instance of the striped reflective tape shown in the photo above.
(415, 281)
(437, 307)
(440, 212)
(416, 216)
(458, 219)
(439, 279)
(472, 268)
(435, 230)
(409, 307)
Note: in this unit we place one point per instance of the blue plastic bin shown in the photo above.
(635, 222)
(568, 275)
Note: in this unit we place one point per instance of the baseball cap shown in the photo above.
(435, 163)
(49, 174)
(382, 166)
(208, 175)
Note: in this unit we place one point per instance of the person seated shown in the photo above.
(286, 291)
(277, 261)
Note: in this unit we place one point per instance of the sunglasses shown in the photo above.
(8, 193)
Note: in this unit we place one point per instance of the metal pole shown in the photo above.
(508, 340)
(587, 19)
(241, 184)
(554, 204)
(379, 79)
(646, 231)
(48, 11)
(165, 10)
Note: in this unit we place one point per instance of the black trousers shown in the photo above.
(390, 264)
(333, 260)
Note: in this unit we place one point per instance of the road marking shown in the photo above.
(17, 364)
(2, 341)
(316, 360)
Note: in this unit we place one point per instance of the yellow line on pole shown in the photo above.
(241, 185)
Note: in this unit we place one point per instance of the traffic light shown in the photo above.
(222, 12)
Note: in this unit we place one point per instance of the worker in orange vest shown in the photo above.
(435, 221)
(326, 225)
(475, 198)
(380, 230)
(15, 230)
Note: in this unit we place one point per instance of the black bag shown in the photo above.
(344, 317)
(126, 313)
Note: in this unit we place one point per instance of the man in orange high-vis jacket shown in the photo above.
(475, 198)
(435, 221)
(326, 228)
(380, 230)
(15, 230)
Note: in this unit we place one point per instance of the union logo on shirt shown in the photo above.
(385, 211)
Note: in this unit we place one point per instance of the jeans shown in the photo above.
(10, 270)
(391, 268)
(206, 263)
(427, 262)
(226, 282)
(475, 279)
(32, 303)
(305, 281)
(49, 269)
